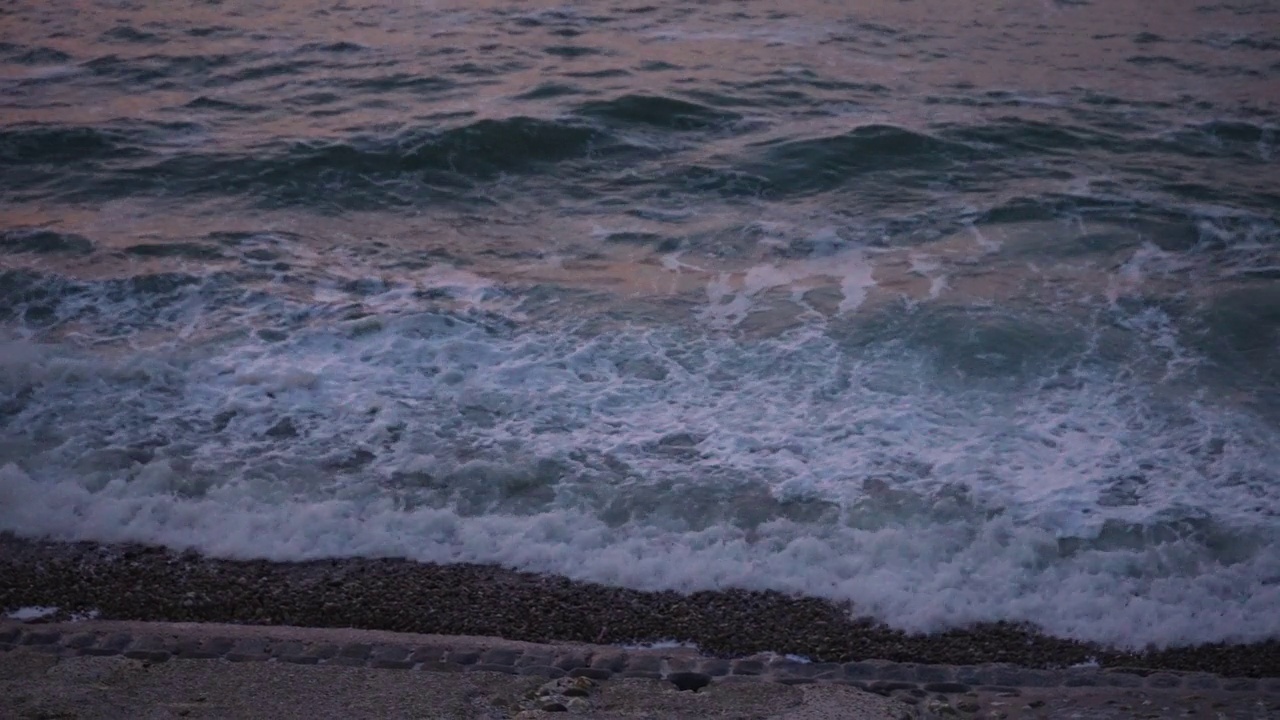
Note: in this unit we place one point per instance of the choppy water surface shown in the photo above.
(961, 311)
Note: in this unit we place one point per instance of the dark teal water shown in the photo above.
(962, 312)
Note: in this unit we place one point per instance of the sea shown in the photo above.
(959, 312)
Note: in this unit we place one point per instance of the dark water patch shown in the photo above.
(1240, 332)
(39, 241)
(156, 284)
(1175, 63)
(160, 71)
(1239, 132)
(334, 47)
(480, 149)
(130, 34)
(37, 56)
(191, 251)
(1100, 99)
(205, 102)
(725, 182)
(975, 345)
(811, 79)
(818, 164)
(212, 31)
(959, 101)
(128, 71)
(1030, 136)
(470, 69)
(1147, 38)
(22, 290)
(418, 84)
(273, 69)
(600, 74)
(1201, 193)
(657, 241)
(1168, 228)
(1269, 44)
(573, 51)
(722, 100)
(549, 90)
(658, 111)
(35, 143)
(656, 66)
(314, 99)
(372, 170)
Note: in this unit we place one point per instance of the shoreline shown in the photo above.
(146, 583)
(152, 669)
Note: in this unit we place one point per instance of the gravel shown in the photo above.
(134, 582)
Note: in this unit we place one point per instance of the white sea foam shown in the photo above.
(933, 481)
(35, 612)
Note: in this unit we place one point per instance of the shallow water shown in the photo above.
(960, 313)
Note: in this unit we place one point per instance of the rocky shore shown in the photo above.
(129, 582)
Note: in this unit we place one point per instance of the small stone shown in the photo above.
(968, 706)
(339, 661)
(794, 680)
(748, 667)
(1240, 685)
(1001, 690)
(1164, 680)
(554, 707)
(611, 661)
(390, 654)
(83, 640)
(490, 667)
(947, 687)
(570, 661)
(288, 649)
(360, 651)
(1037, 703)
(1202, 681)
(932, 673)
(141, 652)
(643, 664)
(888, 687)
(41, 638)
(426, 654)
(535, 658)
(896, 671)
(441, 667)
(462, 657)
(715, 667)
(249, 650)
(861, 671)
(323, 651)
(298, 659)
(500, 656)
(546, 671)
(590, 672)
(1121, 680)
(941, 708)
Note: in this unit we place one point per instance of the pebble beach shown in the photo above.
(152, 584)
